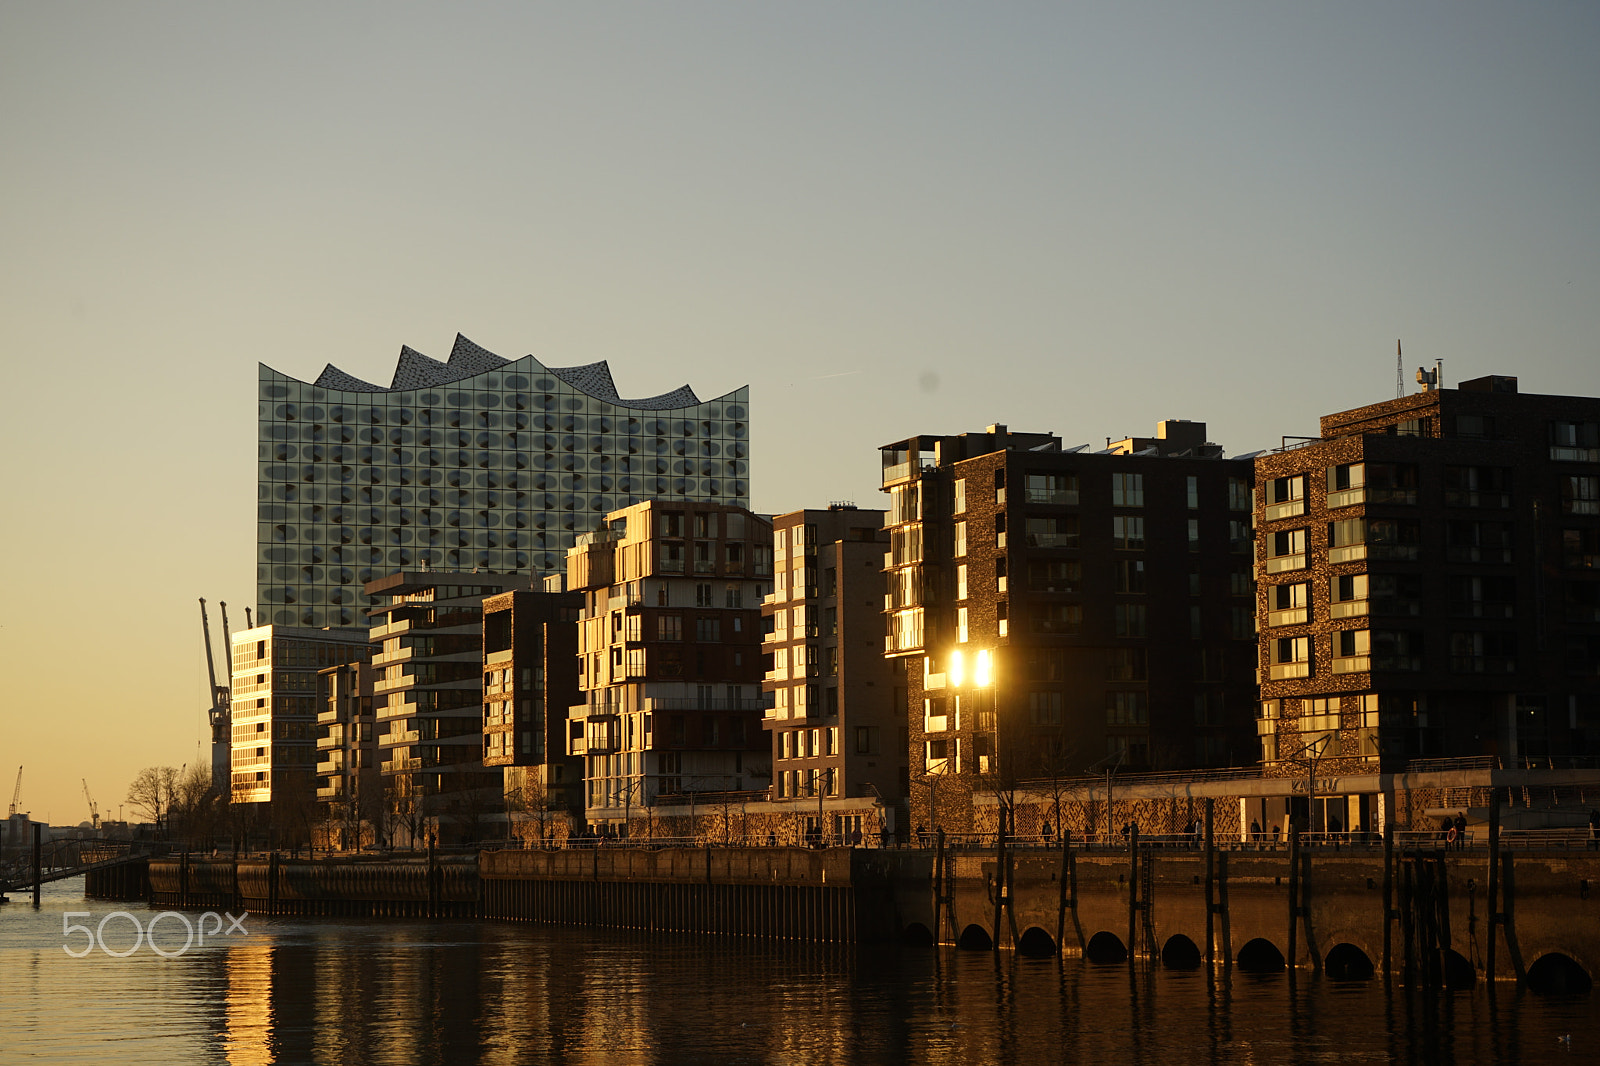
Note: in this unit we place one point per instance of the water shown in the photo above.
(343, 991)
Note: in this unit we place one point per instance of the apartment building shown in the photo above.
(1429, 587)
(348, 780)
(428, 701)
(530, 678)
(669, 649)
(1061, 610)
(275, 708)
(837, 720)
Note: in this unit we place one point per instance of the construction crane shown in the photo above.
(94, 812)
(16, 795)
(221, 711)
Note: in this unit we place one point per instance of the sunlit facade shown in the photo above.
(478, 462)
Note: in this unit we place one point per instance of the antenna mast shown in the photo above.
(1399, 372)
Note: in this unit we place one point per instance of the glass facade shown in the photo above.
(478, 463)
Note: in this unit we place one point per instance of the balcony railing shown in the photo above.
(1293, 616)
(1287, 509)
(1347, 553)
(1467, 498)
(1347, 609)
(1051, 540)
(1283, 671)
(1279, 563)
(1352, 664)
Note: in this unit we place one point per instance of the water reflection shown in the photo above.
(462, 991)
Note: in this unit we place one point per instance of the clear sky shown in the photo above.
(885, 218)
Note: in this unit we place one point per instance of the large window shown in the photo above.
(1291, 657)
(1575, 441)
(1130, 619)
(1055, 489)
(1286, 550)
(1129, 575)
(1059, 618)
(1127, 490)
(1477, 486)
(1288, 605)
(1483, 653)
(1063, 576)
(1127, 532)
(1058, 531)
(1580, 495)
(1286, 497)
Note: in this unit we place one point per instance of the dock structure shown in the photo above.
(1408, 906)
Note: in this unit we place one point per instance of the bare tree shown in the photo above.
(151, 794)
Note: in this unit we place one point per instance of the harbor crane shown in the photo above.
(220, 713)
(94, 811)
(16, 795)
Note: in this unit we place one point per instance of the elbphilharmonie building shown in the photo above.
(478, 463)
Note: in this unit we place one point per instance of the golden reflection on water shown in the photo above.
(449, 992)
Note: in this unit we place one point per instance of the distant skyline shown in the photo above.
(885, 219)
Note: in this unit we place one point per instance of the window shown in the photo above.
(1478, 542)
(669, 627)
(1053, 489)
(1286, 550)
(1346, 484)
(1065, 576)
(1347, 540)
(1477, 486)
(1396, 649)
(708, 630)
(1286, 497)
(1194, 534)
(1240, 536)
(958, 496)
(733, 596)
(961, 581)
(1475, 426)
(1044, 708)
(1130, 619)
(961, 625)
(1059, 618)
(672, 524)
(1127, 490)
(959, 546)
(735, 556)
(1291, 657)
(702, 596)
(1239, 494)
(1395, 594)
(1352, 649)
(1126, 664)
(1575, 441)
(1391, 483)
(1130, 575)
(1580, 495)
(1060, 531)
(1580, 549)
(705, 524)
(1127, 708)
(866, 740)
(1319, 715)
(1288, 605)
(1483, 597)
(1127, 532)
(1347, 596)
(1192, 492)
(1483, 653)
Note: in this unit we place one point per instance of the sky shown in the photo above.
(885, 218)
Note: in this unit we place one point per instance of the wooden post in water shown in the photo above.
(1133, 890)
(1061, 888)
(1388, 898)
(1294, 895)
(999, 878)
(1211, 876)
(1495, 914)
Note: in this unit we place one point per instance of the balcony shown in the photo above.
(1284, 671)
(1051, 540)
(1466, 553)
(1485, 500)
(1403, 663)
(1051, 497)
(1347, 609)
(1294, 616)
(1347, 553)
(1352, 664)
(1346, 497)
(1563, 454)
(1287, 509)
(1280, 563)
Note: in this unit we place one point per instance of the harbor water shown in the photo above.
(463, 991)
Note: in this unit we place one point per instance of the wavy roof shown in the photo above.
(416, 371)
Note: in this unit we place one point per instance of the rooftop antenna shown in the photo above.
(1399, 371)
